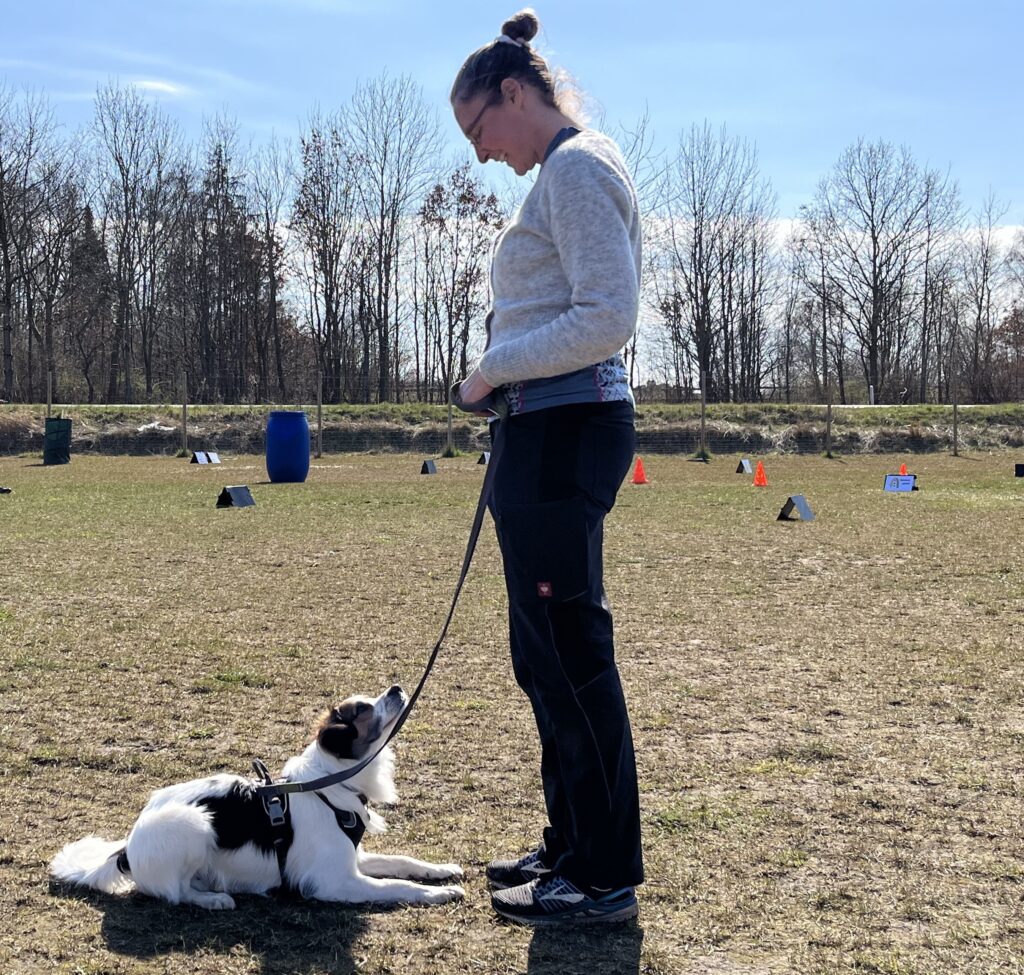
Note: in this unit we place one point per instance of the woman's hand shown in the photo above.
(474, 389)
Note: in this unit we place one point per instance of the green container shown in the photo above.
(57, 441)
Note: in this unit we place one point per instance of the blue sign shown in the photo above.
(900, 482)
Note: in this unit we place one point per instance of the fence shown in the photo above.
(754, 429)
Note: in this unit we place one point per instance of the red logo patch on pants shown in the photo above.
(544, 590)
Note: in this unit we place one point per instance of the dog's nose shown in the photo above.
(395, 691)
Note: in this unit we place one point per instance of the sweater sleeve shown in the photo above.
(590, 209)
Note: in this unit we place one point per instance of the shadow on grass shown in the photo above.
(284, 935)
(612, 949)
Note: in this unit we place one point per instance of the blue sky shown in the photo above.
(801, 80)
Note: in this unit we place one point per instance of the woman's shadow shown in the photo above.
(585, 950)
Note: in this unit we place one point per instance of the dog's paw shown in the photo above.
(442, 895)
(216, 902)
(448, 871)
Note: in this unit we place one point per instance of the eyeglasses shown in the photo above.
(468, 131)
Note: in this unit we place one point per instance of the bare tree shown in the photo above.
(868, 221)
(982, 276)
(26, 131)
(394, 137)
(130, 134)
(714, 217)
(272, 180)
(59, 217)
(458, 219)
(325, 252)
(1015, 264)
(942, 219)
(155, 228)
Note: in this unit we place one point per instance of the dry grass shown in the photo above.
(828, 716)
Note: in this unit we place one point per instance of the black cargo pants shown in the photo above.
(557, 473)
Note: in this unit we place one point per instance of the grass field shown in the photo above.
(828, 716)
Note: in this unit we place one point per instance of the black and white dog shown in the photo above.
(201, 841)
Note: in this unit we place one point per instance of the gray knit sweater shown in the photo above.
(565, 276)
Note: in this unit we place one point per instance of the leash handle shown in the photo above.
(270, 788)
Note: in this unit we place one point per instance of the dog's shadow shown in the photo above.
(285, 935)
(583, 950)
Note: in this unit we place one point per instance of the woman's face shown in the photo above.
(496, 129)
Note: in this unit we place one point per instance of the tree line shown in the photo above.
(136, 266)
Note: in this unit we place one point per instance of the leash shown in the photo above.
(273, 793)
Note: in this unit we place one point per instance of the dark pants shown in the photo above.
(556, 477)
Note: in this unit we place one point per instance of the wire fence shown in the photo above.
(242, 429)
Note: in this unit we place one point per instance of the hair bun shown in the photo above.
(522, 26)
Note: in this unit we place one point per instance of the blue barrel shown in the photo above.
(287, 446)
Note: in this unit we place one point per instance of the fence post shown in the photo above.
(703, 419)
(828, 427)
(319, 415)
(956, 430)
(450, 449)
(184, 416)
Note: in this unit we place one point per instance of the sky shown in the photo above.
(800, 80)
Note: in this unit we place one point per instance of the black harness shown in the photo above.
(281, 831)
(280, 816)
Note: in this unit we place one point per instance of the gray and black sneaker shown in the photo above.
(554, 899)
(512, 873)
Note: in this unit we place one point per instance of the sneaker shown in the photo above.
(513, 873)
(553, 898)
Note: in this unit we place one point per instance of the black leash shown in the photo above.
(272, 792)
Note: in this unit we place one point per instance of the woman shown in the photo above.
(565, 283)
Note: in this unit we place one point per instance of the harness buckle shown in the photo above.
(276, 808)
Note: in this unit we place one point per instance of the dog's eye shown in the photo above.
(362, 708)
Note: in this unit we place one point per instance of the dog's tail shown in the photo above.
(92, 862)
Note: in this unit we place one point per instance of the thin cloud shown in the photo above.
(161, 87)
(215, 77)
(216, 82)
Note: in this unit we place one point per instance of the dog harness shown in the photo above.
(349, 822)
(280, 816)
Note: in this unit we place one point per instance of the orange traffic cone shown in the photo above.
(903, 469)
(760, 478)
(639, 476)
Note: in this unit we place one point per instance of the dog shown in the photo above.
(199, 842)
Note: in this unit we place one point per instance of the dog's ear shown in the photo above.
(338, 739)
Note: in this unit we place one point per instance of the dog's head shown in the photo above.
(353, 728)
